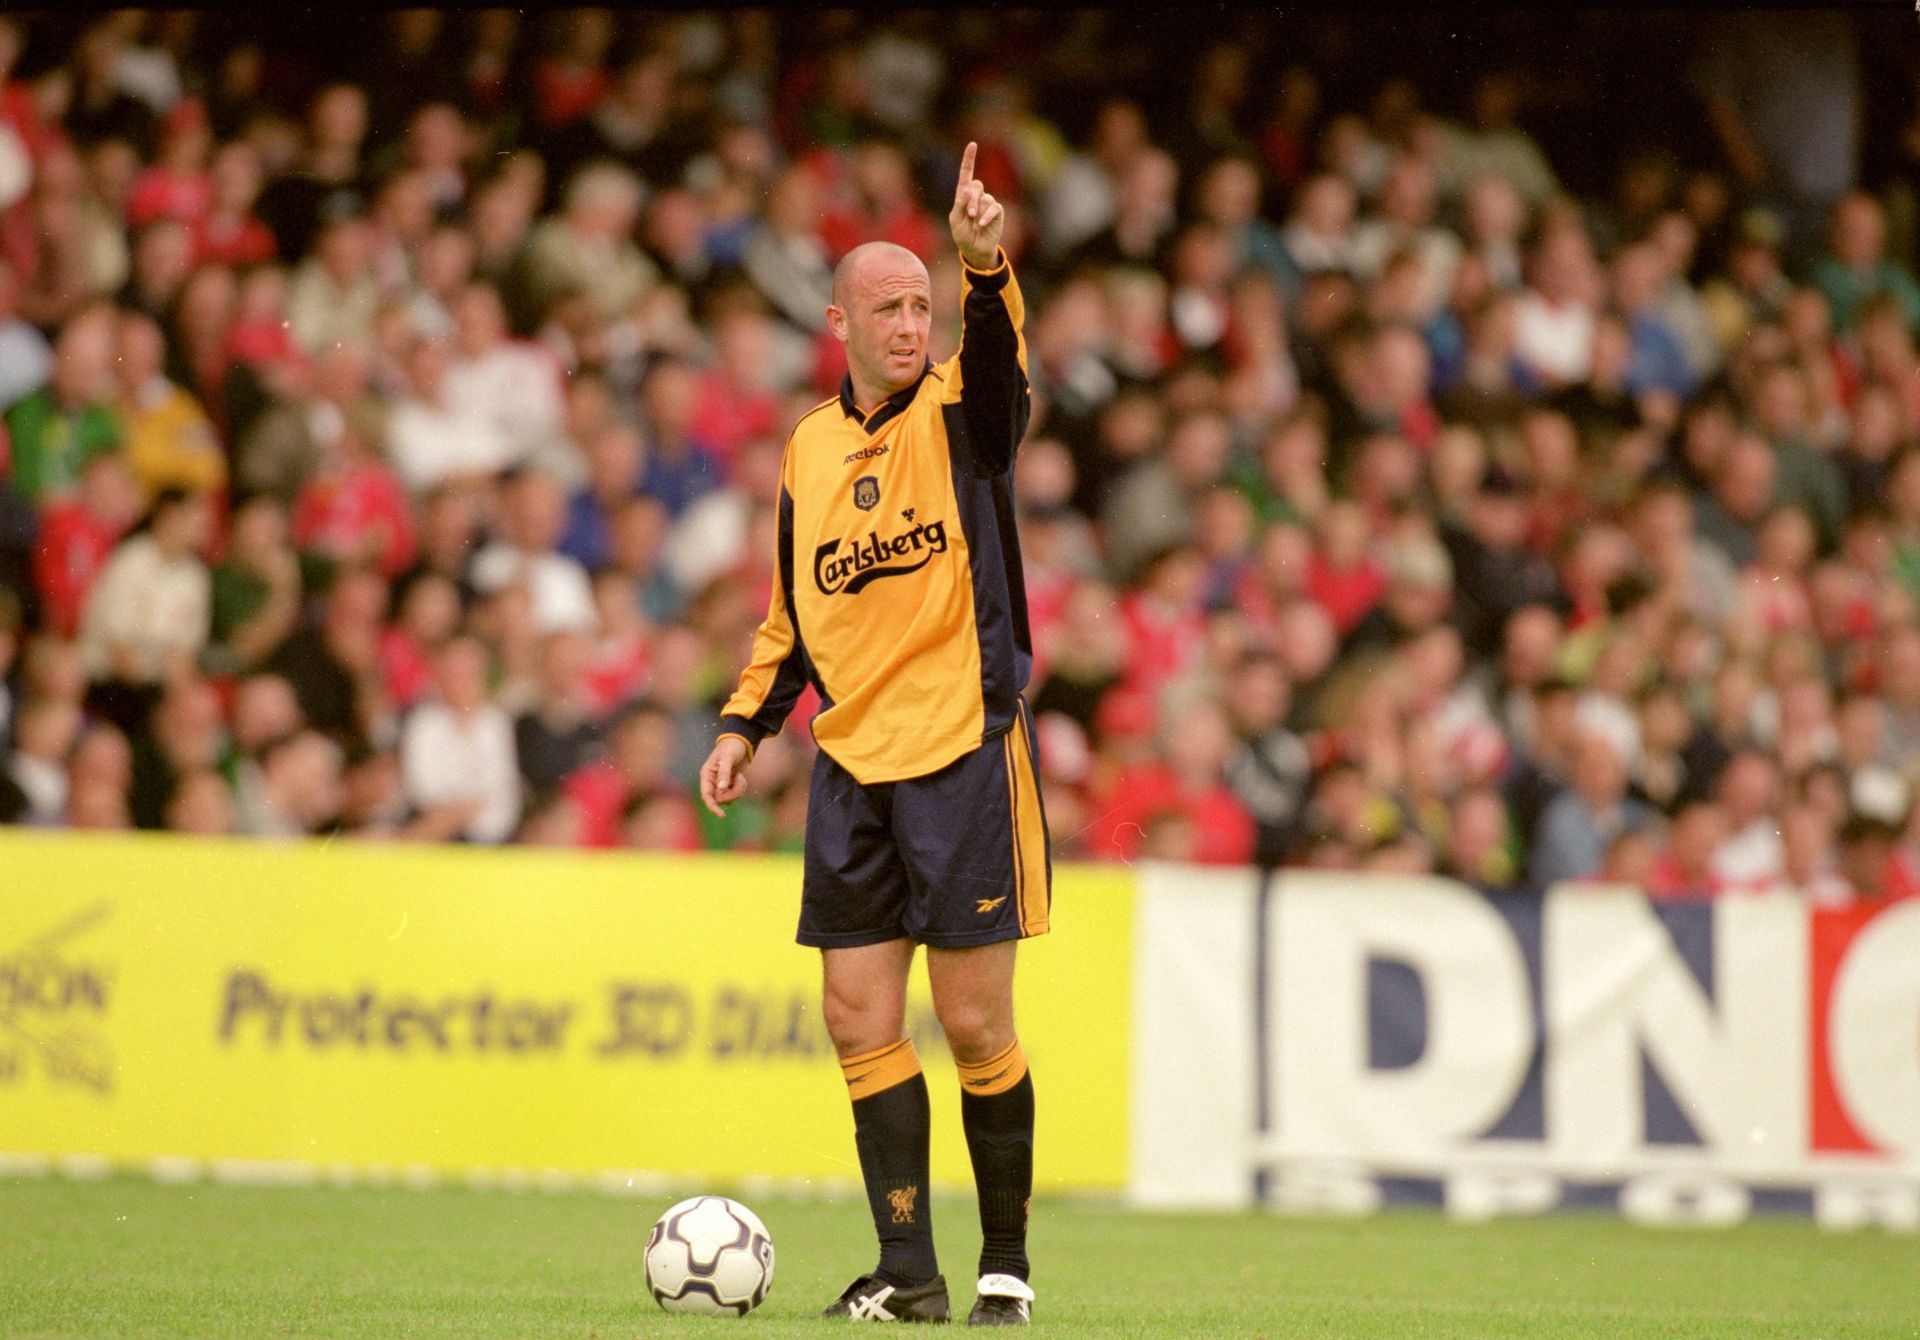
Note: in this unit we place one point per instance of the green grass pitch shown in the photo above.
(127, 1257)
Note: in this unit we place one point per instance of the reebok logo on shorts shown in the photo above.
(988, 904)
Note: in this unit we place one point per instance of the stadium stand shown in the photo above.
(393, 420)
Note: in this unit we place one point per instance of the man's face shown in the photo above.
(885, 321)
(479, 322)
(1859, 233)
(1598, 773)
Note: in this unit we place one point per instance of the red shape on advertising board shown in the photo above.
(1831, 935)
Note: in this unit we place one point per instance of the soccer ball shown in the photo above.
(709, 1255)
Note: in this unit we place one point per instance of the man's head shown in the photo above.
(1259, 694)
(302, 780)
(338, 118)
(1744, 484)
(535, 514)
(460, 673)
(265, 710)
(1859, 230)
(83, 357)
(883, 312)
(180, 522)
(479, 319)
(142, 351)
(1747, 787)
(603, 202)
(1599, 772)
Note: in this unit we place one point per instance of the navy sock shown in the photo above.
(996, 1108)
(892, 1128)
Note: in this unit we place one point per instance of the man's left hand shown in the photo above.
(976, 217)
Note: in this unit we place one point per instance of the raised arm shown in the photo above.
(994, 396)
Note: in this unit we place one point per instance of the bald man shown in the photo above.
(900, 600)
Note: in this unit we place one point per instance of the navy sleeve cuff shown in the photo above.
(745, 728)
(989, 281)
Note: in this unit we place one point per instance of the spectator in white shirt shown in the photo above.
(443, 271)
(149, 614)
(1496, 143)
(434, 436)
(1405, 223)
(533, 517)
(712, 536)
(1082, 197)
(1555, 314)
(457, 750)
(514, 385)
(44, 737)
(299, 789)
(786, 258)
(1495, 217)
(1753, 857)
(334, 295)
(1319, 236)
(589, 249)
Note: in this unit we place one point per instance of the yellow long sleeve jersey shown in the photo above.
(900, 596)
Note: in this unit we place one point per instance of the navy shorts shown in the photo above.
(956, 858)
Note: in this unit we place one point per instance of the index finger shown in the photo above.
(966, 167)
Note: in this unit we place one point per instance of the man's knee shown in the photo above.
(864, 1003)
(976, 1027)
(858, 1025)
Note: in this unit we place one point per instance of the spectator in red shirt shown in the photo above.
(352, 509)
(178, 186)
(1629, 860)
(736, 401)
(1188, 782)
(568, 82)
(878, 204)
(1875, 864)
(1165, 622)
(259, 337)
(661, 821)
(78, 534)
(640, 766)
(1683, 867)
(429, 615)
(229, 232)
(1342, 577)
(617, 660)
(1774, 596)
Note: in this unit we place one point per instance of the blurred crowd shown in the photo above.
(397, 455)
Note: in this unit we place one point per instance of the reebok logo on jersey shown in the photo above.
(866, 453)
(866, 559)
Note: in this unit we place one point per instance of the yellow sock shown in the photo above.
(878, 1070)
(996, 1074)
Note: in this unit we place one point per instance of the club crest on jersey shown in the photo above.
(868, 558)
(866, 493)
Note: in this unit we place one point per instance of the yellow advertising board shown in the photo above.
(366, 1006)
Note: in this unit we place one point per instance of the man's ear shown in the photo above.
(837, 322)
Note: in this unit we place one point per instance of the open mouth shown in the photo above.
(907, 356)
